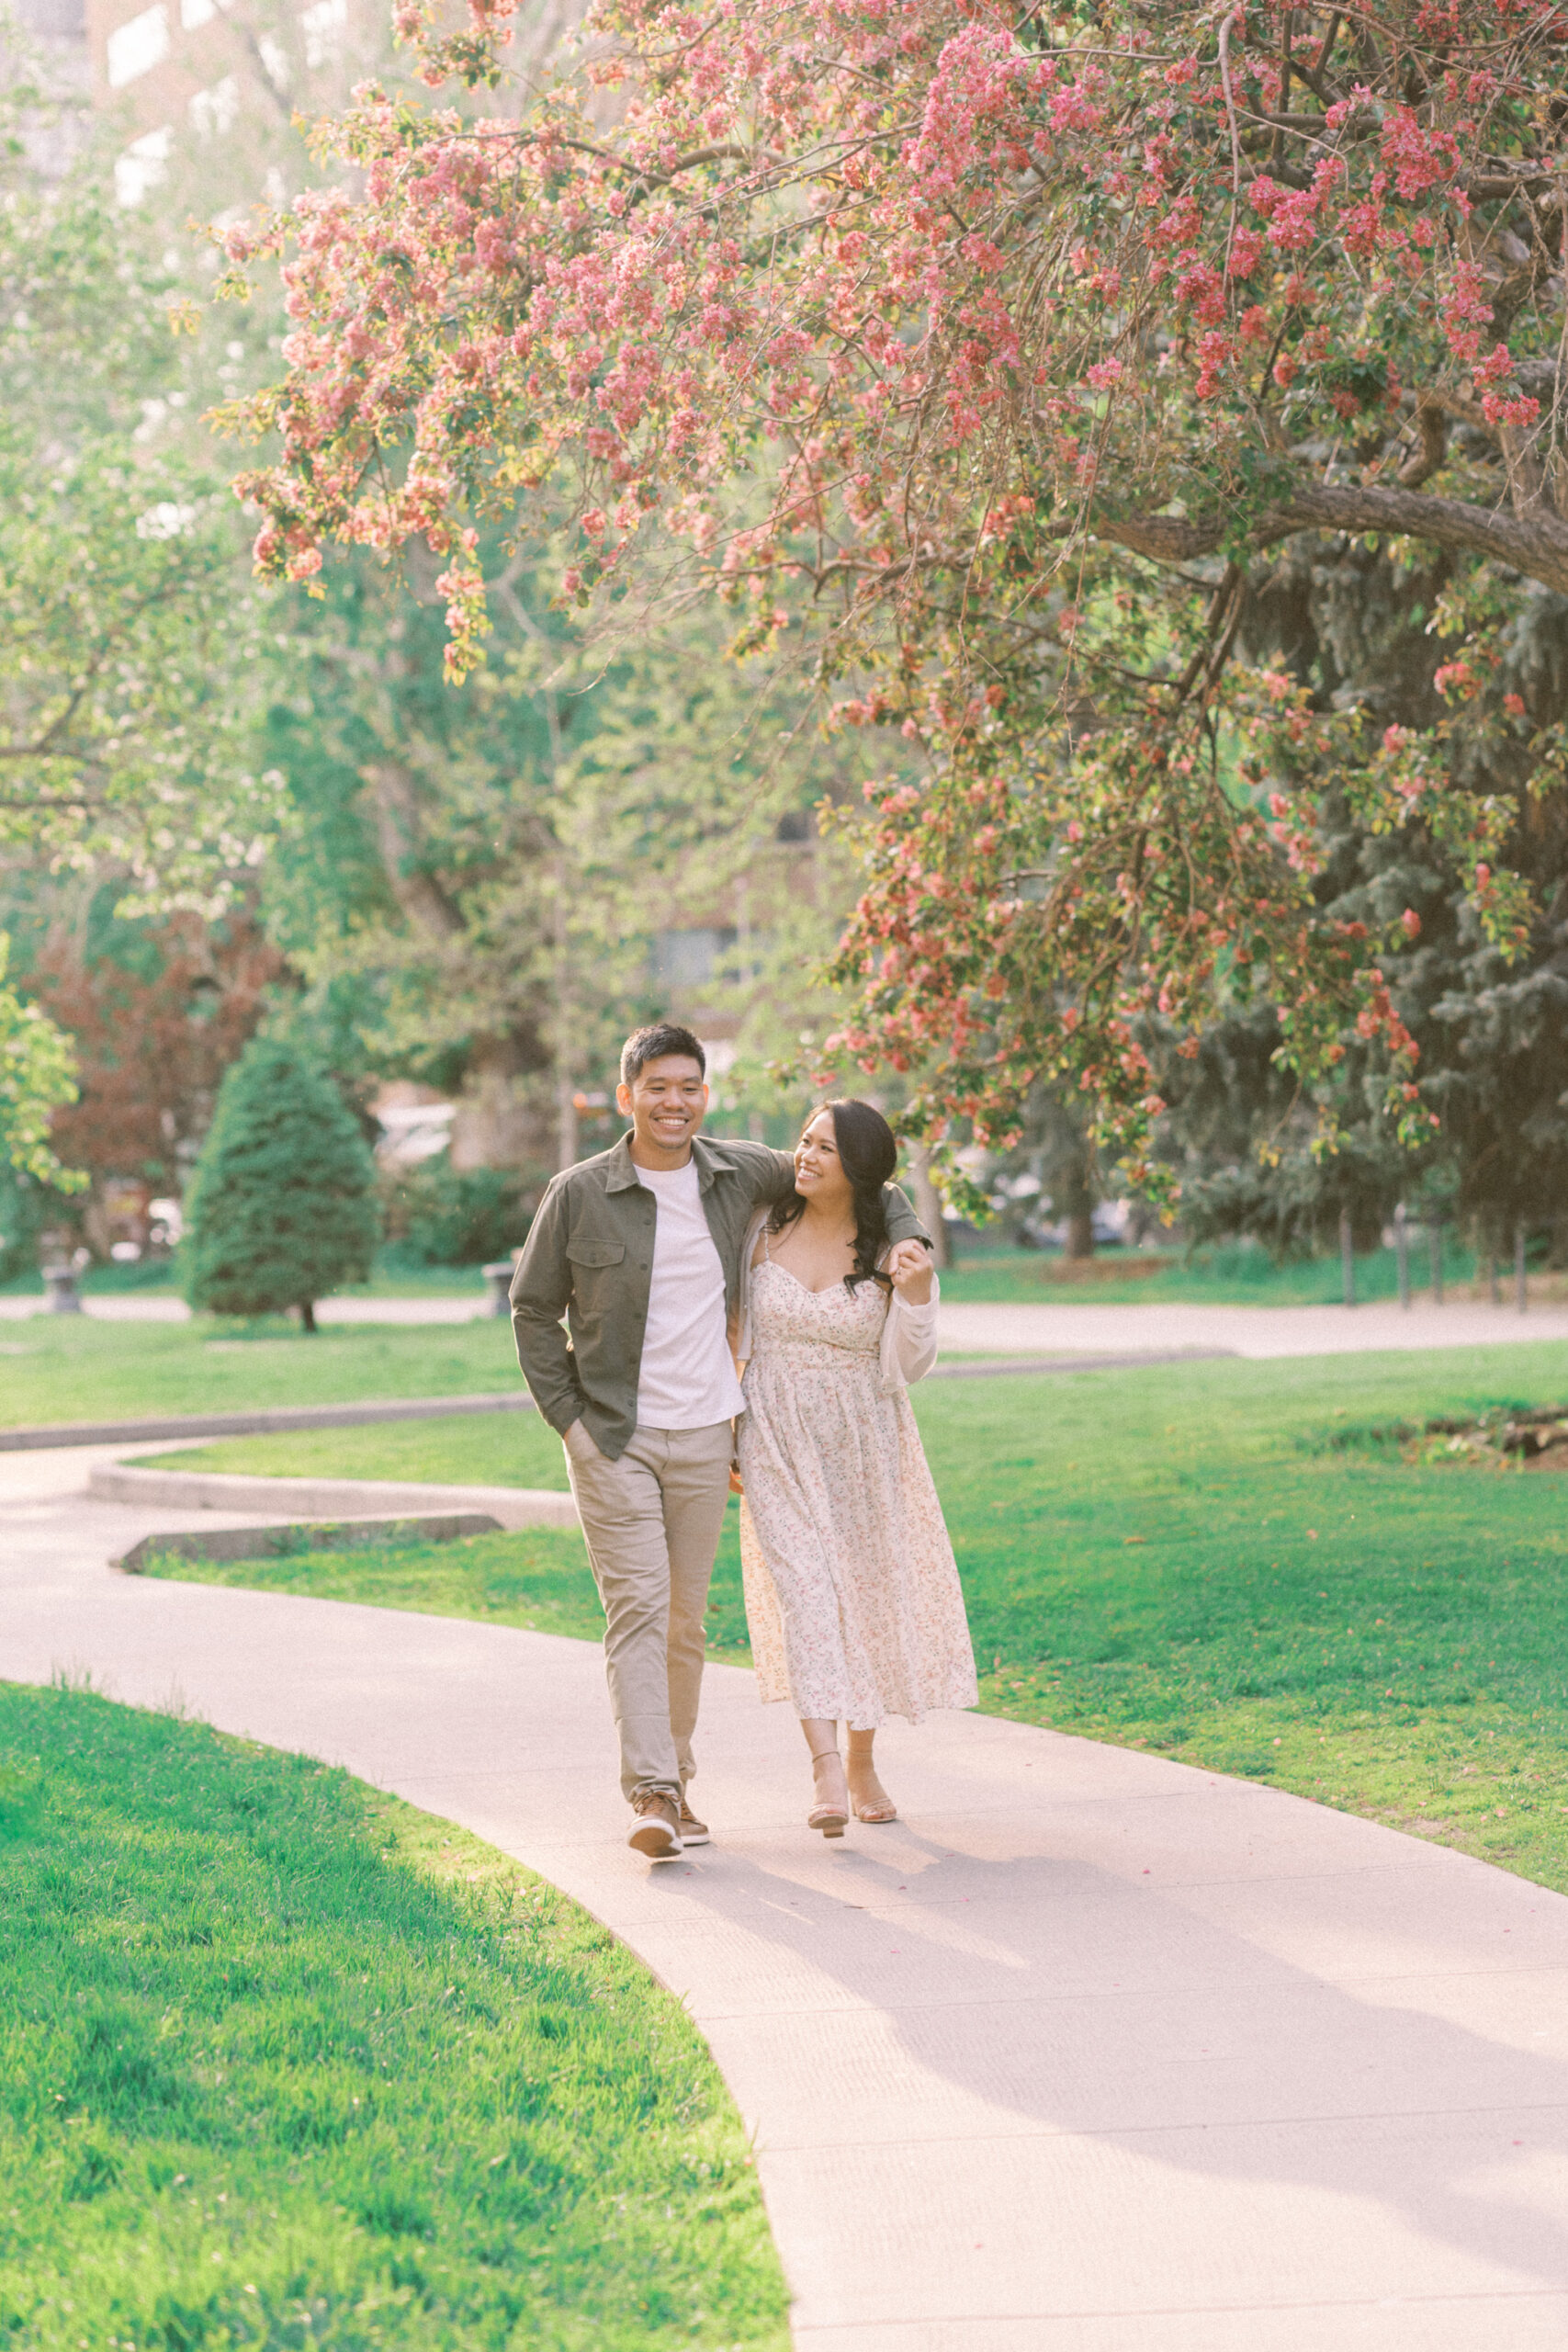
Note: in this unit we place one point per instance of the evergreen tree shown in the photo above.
(282, 1209)
(1474, 661)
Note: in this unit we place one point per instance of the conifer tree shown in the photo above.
(282, 1209)
(1474, 661)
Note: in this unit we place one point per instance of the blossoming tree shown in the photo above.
(993, 344)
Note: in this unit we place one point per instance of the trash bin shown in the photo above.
(498, 1276)
(61, 1295)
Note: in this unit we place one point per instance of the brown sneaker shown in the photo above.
(692, 1831)
(656, 1832)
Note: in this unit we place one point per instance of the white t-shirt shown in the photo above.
(687, 1380)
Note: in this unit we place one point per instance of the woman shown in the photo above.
(851, 1591)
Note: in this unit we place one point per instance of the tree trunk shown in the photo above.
(1072, 1197)
(1080, 1233)
(308, 1314)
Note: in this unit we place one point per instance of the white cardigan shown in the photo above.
(909, 1336)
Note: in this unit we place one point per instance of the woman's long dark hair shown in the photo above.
(868, 1155)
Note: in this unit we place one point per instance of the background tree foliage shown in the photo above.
(1161, 781)
(1010, 340)
(479, 882)
(126, 623)
(1474, 660)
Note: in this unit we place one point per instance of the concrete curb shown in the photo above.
(255, 1424)
(324, 1498)
(275, 1542)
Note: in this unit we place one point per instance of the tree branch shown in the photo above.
(1535, 544)
(1432, 425)
(418, 893)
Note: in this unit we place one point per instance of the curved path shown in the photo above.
(1056, 1327)
(1092, 2054)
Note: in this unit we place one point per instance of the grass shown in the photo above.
(1214, 1277)
(538, 1578)
(287, 2063)
(71, 1368)
(490, 1449)
(1211, 1566)
(160, 1278)
(1223, 1561)
(77, 1368)
(1218, 1276)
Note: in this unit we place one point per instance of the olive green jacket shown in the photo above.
(590, 1258)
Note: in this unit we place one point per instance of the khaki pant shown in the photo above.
(652, 1523)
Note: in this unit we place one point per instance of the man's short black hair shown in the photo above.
(659, 1037)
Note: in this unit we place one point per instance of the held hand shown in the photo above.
(909, 1272)
(736, 1487)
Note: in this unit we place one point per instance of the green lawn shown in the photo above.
(538, 1577)
(1215, 1561)
(79, 1368)
(159, 1279)
(1215, 1277)
(1220, 1276)
(1223, 1565)
(286, 2063)
(490, 1449)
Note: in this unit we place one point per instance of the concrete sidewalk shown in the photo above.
(1089, 2053)
(1057, 1329)
(1254, 1331)
(165, 1307)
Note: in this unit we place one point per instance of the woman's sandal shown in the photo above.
(876, 1811)
(877, 1816)
(831, 1819)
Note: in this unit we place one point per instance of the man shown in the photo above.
(639, 1249)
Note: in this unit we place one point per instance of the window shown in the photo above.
(322, 26)
(141, 166)
(135, 48)
(213, 112)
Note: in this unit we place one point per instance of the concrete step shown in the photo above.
(313, 1535)
(323, 1498)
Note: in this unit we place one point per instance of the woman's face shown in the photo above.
(819, 1171)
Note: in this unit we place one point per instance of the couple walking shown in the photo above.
(694, 1313)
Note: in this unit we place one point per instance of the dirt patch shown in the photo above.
(1137, 1266)
(1528, 1440)
(1504, 1437)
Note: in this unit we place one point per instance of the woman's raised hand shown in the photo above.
(909, 1268)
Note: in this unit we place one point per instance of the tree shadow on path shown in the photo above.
(1060, 1994)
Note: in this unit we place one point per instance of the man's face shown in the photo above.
(665, 1103)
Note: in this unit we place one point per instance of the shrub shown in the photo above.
(282, 1207)
(439, 1216)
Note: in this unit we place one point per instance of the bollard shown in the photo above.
(1434, 1249)
(1402, 1250)
(498, 1276)
(1521, 1293)
(1347, 1257)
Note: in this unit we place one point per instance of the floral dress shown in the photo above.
(851, 1590)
